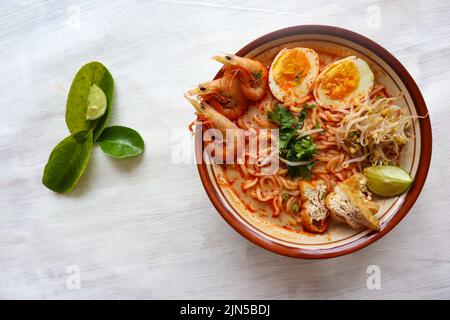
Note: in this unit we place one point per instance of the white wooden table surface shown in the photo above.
(144, 228)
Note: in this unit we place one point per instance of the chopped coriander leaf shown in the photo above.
(290, 147)
(354, 136)
(285, 196)
(318, 125)
(301, 171)
(285, 136)
(294, 207)
(257, 75)
(302, 118)
(304, 148)
(282, 117)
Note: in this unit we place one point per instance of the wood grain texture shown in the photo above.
(144, 227)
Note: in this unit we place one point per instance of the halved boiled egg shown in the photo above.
(292, 74)
(342, 82)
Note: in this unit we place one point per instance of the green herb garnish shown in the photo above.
(286, 134)
(290, 147)
(257, 75)
(354, 135)
(282, 117)
(304, 172)
(304, 149)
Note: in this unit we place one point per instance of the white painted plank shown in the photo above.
(144, 228)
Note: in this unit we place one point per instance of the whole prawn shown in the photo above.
(252, 74)
(224, 95)
(217, 120)
(228, 128)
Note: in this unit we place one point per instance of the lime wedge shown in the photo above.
(387, 181)
(96, 103)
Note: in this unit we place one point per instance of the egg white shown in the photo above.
(295, 94)
(360, 93)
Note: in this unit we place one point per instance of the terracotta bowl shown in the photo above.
(339, 239)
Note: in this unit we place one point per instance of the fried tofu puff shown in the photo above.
(314, 211)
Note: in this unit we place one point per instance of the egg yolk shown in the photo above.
(341, 80)
(291, 69)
